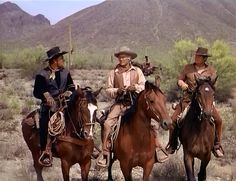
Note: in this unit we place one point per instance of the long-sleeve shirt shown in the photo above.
(41, 85)
(190, 71)
(128, 79)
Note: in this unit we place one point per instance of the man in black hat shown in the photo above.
(49, 84)
(187, 82)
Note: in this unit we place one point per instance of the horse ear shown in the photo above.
(80, 92)
(214, 80)
(157, 81)
(97, 92)
(147, 85)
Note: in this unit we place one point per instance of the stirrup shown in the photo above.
(163, 152)
(220, 149)
(101, 157)
(42, 158)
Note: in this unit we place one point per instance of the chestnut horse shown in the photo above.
(197, 133)
(135, 144)
(76, 144)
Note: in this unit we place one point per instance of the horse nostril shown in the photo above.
(165, 125)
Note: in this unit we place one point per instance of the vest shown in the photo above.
(118, 78)
(52, 86)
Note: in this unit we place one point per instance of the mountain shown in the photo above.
(16, 24)
(143, 23)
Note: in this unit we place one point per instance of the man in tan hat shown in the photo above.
(187, 83)
(122, 80)
(49, 84)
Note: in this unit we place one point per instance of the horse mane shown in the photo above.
(130, 112)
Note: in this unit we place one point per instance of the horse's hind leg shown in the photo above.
(202, 172)
(65, 166)
(85, 169)
(188, 163)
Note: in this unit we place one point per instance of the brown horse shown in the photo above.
(135, 144)
(197, 132)
(76, 144)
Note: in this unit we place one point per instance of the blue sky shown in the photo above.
(54, 10)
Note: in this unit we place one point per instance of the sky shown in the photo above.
(54, 10)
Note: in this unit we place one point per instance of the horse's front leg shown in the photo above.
(110, 168)
(147, 169)
(126, 170)
(202, 172)
(85, 166)
(188, 163)
(65, 167)
(38, 168)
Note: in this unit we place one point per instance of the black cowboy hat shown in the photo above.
(126, 50)
(53, 52)
(202, 52)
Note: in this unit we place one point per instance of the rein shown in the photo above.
(149, 107)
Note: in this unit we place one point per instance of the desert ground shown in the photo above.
(16, 161)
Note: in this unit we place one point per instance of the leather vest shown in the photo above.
(52, 86)
(118, 78)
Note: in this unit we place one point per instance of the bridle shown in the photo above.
(150, 107)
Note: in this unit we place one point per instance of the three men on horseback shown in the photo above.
(187, 82)
(124, 82)
(51, 82)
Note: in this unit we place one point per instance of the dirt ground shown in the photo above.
(16, 160)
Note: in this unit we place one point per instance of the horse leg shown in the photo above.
(188, 163)
(38, 168)
(85, 166)
(147, 170)
(126, 170)
(202, 172)
(65, 166)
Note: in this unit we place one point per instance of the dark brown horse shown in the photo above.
(76, 144)
(197, 133)
(135, 144)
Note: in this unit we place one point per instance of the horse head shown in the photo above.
(205, 95)
(83, 116)
(155, 105)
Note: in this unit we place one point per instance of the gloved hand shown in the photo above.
(49, 99)
(120, 91)
(183, 85)
(67, 93)
(131, 88)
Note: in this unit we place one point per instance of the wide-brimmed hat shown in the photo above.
(53, 52)
(202, 52)
(126, 50)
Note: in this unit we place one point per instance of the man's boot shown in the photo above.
(161, 154)
(46, 155)
(104, 158)
(218, 150)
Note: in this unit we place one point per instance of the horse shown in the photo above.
(135, 143)
(197, 132)
(76, 144)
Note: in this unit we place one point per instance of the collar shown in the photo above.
(117, 69)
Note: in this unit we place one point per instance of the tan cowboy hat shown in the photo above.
(126, 50)
(203, 52)
(55, 51)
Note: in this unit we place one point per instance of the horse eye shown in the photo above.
(151, 101)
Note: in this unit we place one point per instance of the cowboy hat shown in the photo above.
(202, 52)
(53, 52)
(127, 51)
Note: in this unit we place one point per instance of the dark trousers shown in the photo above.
(43, 124)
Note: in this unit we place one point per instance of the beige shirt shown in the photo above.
(127, 81)
(190, 71)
